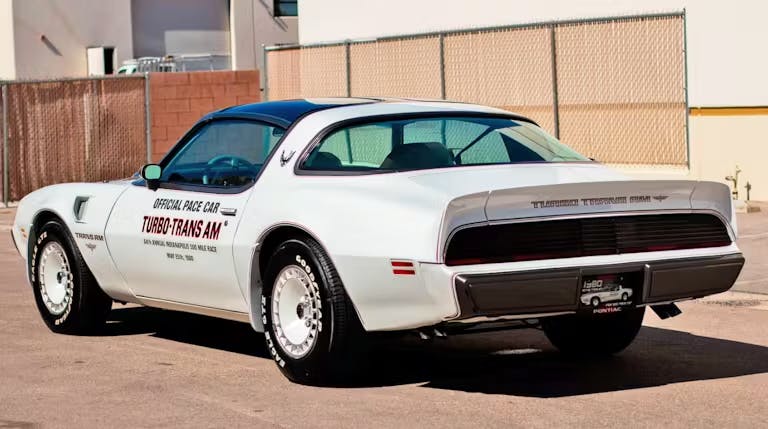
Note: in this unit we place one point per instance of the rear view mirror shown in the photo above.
(151, 174)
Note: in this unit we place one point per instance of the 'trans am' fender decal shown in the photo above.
(178, 227)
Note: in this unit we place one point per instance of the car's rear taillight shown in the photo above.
(571, 238)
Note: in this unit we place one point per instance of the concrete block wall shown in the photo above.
(178, 100)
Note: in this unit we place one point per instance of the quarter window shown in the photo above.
(363, 147)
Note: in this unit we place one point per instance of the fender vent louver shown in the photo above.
(79, 208)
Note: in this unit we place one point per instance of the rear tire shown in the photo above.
(310, 325)
(599, 335)
(69, 299)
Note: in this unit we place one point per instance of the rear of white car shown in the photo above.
(506, 223)
(507, 257)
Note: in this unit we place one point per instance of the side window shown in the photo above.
(226, 153)
(424, 143)
(425, 131)
(354, 148)
(286, 8)
(488, 150)
(455, 135)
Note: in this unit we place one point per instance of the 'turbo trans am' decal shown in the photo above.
(576, 202)
(182, 227)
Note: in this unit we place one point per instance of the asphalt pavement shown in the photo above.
(154, 368)
(753, 241)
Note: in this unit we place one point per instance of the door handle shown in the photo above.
(228, 212)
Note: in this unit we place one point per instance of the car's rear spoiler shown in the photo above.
(589, 198)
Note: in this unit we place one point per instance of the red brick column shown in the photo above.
(178, 100)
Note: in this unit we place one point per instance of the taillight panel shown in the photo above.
(569, 238)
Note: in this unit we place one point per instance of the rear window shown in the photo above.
(425, 143)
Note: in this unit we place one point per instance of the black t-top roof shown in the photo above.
(288, 111)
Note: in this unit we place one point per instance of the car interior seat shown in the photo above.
(414, 156)
(324, 161)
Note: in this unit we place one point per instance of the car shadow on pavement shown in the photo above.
(658, 357)
(187, 328)
(519, 362)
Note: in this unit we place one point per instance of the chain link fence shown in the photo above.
(622, 90)
(407, 67)
(4, 161)
(613, 89)
(71, 130)
(507, 68)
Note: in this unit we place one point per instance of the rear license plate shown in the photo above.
(609, 293)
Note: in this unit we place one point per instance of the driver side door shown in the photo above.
(174, 244)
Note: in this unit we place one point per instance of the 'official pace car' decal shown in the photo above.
(186, 205)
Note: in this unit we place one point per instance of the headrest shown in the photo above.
(324, 161)
(415, 156)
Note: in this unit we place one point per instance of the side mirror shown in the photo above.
(151, 174)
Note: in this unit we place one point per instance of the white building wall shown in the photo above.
(254, 25)
(7, 51)
(174, 27)
(51, 36)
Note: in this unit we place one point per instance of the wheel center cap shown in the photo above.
(300, 311)
(60, 277)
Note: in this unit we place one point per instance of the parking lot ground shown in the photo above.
(753, 241)
(705, 368)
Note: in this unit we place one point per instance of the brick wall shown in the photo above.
(178, 100)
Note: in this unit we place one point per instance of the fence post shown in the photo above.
(6, 173)
(442, 66)
(264, 72)
(348, 50)
(685, 86)
(555, 100)
(148, 117)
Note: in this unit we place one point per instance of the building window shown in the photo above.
(286, 8)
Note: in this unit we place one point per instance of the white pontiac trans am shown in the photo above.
(319, 221)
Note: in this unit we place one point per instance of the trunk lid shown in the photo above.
(455, 182)
(499, 193)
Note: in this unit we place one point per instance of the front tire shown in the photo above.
(310, 325)
(69, 299)
(599, 335)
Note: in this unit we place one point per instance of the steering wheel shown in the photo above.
(233, 161)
